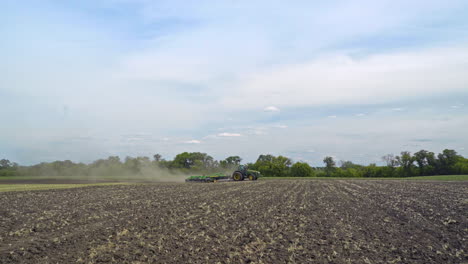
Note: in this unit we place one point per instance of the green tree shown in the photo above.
(195, 161)
(280, 166)
(447, 159)
(265, 158)
(272, 166)
(330, 165)
(8, 168)
(461, 166)
(406, 162)
(349, 165)
(5, 164)
(329, 162)
(372, 171)
(231, 162)
(426, 162)
(301, 169)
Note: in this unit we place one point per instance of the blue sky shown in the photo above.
(83, 80)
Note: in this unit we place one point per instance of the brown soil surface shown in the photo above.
(52, 181)
(283, 221)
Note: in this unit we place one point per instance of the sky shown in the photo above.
(355, 80)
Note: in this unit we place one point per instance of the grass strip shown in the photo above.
(430, 178)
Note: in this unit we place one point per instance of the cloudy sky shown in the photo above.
(83, 80)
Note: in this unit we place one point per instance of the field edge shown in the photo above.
(37, 187)
(433, 178)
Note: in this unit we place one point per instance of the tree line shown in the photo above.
(406, 164)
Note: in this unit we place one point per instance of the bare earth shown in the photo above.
(277, 221)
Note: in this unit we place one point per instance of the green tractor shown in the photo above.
(240, 174)
(243, 173)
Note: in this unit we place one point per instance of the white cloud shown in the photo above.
(332, 116)
(271, 109)
(281, 126)
(258, 132)
(360, 115)
(193, 141)
(229, 135)
(341, 79)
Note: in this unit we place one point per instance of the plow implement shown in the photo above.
(208, 178)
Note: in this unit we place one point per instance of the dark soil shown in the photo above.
(53, 181)
(248, 222)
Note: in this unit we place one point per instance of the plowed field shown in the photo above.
(277, 221)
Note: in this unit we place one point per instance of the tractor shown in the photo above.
(240, 174)
(243, 173)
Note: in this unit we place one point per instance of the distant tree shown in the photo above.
(157, 157)
(8, 168)
(265, 158)
(183, 160)
(5, 164)
(113, 160)
(283, 161)
(272, 166)
(390, 160)
(330, 165)
(406, 163)
(447, 159)
(231, 162)
(420, 158)
(349, 165)
(301, 169)
(132, 165)
(329, 162)
(281, 166)
(194, 161)
(426, 162)
(372, 171)
(405, 160)
(432, 160)
(235, 160)
(461, 167)
(421, 163)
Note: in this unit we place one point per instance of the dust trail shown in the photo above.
(113, 169)
(144, 174)
(102, 171)
(162, 175)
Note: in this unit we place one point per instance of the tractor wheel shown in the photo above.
(237, 176)
(252, 177)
